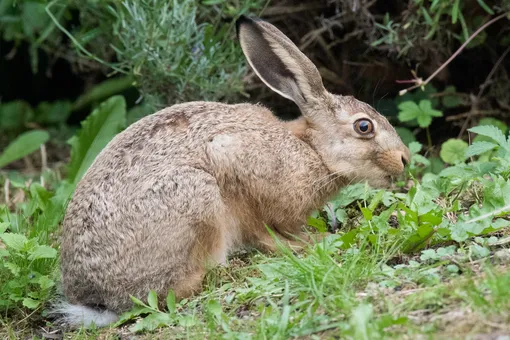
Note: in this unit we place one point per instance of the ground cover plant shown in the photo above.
(428, 257)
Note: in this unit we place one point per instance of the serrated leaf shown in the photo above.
(408, 111)
(23, 145)
(423, 112)
(453, 151)
(478, 148)
(214, 307)
(45, 282)
(492, 132)
(415, 147)
(14, 241)
(424, 121)
(131, 314)
(406, 135)
(31, 303)
(43, 252)
(152, 299)
(40, 194)
(426, 108)
(3, 227)
(13, 267)
(97, 131)
(151, 322)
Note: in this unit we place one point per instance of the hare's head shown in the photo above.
(354, 140)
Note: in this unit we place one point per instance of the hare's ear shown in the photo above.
(279, 63)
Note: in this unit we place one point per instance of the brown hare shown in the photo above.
(178, 190)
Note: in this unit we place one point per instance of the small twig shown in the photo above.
(495, 325)
(491, 73)
(278, 10)
(44, 158)
(419, 82)
(7, 186)
(472, 112)
(501, 242)
(484, 85)
(449, 94)
(44, 163)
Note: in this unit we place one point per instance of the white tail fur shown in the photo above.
(79, 315)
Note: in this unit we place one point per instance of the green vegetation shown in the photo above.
(428, 257)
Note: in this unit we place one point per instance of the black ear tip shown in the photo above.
(242, 20)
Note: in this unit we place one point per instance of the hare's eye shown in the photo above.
(364, 126)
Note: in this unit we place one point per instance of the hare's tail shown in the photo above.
(79, 315)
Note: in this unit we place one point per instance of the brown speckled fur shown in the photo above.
(179, 189)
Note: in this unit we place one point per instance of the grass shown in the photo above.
(428, 258)
(326, 293)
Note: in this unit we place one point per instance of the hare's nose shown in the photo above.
(405, 156)
(405, 161)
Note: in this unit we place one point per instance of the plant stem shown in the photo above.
(429, 139)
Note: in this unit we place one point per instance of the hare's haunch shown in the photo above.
(175, 192)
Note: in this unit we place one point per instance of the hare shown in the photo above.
(178, 190)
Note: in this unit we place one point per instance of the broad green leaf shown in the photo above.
(13, 267)
(426, 108)
(53, 113)
(317, 223)
(31, 303)
(151, 322)
(45, 282)
(478, 148)
(3, 227)
(152, 299)
(170, 301)
(14, 241)
(40, 195)
(341, 215)
(43, 252)
(14, 115)
(406, 135)
(214, 307)
(102, 91)
(451, 99)
(423, 112)
(22, 146)
(97, 130)
(415, 147)
(408, 111)
(361, 320)
(367, 214)
(421, 160)
(453, 151)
